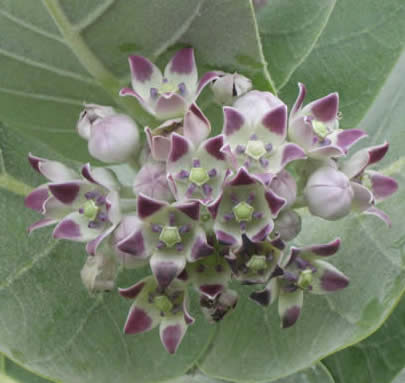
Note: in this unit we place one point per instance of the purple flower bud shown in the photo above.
(329, 194)
(288, 225)
(113, 138)
(285, 186)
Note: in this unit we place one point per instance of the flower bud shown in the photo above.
(288, 225)
(328, 193)
(284, 185)
(99, 272)
(90, 115)
(113, 138)
(229, 87)
(151, 180)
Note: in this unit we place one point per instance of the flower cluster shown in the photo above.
(200, 210)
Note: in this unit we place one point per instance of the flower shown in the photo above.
(169, 235)
(153, 307)
(245, 207)
(255, 129)
(304, 270)
(315, 127)
(84, 209)
(369, 186)
(167, 95)
(112, 137)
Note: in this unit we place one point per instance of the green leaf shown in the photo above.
(59, 54)
(368, 256)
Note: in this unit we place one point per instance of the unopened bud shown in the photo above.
(91, 114)
(229, 87)
(284, 185)
(288, 225)
(328, 193)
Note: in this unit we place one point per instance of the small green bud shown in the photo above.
(199, 176)
(305, 279)
(257, 263)
(255, 149)
(162, 302)
(243, 212)
(90, 210)
(170, 236)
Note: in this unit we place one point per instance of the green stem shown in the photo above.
(11, 184)
(93, 65)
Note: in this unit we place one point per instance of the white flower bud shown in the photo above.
(328, 193)
(229, 87)
(113, 138)
(284, 185)
(90, 115)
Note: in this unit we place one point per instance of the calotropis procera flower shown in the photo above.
(254, 263)
(196, 172)
(315, 127)
(195, 127)
(255, 130)
(112, 137)
(167, 95)
(369, 186)
(169, 234)
(153, 306)
(229, 86)
(244, 207)
(304, 270)
(84, 209)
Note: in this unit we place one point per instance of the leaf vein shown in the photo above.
(94, 16)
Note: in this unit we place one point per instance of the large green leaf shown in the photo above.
(55, 55)
(368, 256)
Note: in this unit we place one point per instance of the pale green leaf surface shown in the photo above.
(368, 256)
(400, 377)
(58, 54)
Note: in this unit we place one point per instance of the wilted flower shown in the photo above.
(169, 95)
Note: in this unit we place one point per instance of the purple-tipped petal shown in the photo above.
(187, 316)
(133, 244)
(100, 176)
(53, 170)
(66, 192)
(200, 249)
(275, 121)
(170, 105)
(147, 206)
(300, 131)
(144, 75)
(179, 147)
(348, 138)
(326, 108)
(139, 321)
(41, 223)
(133, 291)
(94, 244)
(291, 152)
(158, 145)
(327, 278)
(379, 214)
(275, 202)
(289, 307)
(242, 178)
(225, 238)
(67, 229)
(196, 126)
(263, 232)
(382, 186)
(171, 333)
(130, 92)
(362, 198)
(323, 250)
(214, 206)
(183, 62)
(377, 153)
(261, 297)
(36, 199)
(300, 99)
(233, 121)
(191, 209)
(205, 80)
(213, 147)
(166, 268)
(327, 151)
(35, 161)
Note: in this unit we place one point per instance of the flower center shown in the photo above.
(257, 263)
(255, 149)
(199, 176)
(170, 236)
(163, 303)
(320, 129)
(90, 210)
(243, 212)
(168, 87)
(305, 279)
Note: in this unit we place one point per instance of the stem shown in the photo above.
(11, 184)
